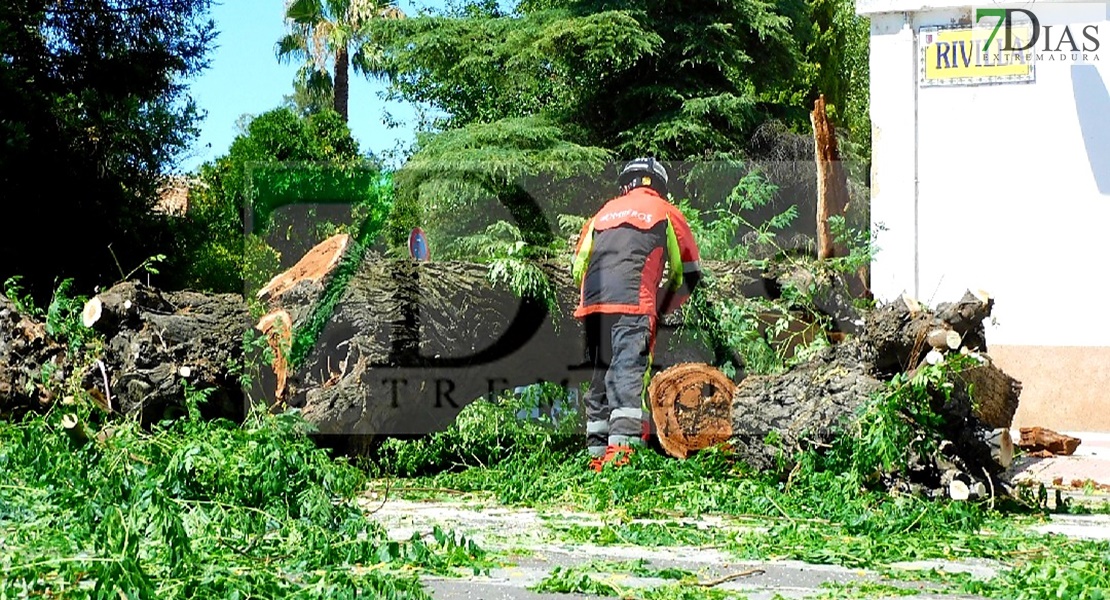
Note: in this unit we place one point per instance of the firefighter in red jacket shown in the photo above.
(636, 260)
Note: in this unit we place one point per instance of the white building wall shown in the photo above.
(1003, 187)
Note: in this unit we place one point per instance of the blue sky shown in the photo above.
(245, 77)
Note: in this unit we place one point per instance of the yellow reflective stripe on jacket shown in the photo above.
(582, 259)
(674, 257)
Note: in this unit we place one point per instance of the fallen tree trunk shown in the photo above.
(155, 343)
(159, 342)
(763, 416)
(363, 345)
(407, 345)
(398, 347)
(765, 420)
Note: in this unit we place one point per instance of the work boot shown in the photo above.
(617, 455)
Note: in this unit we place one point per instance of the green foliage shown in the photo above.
(831, 509)
(328, 37)
(198, 509)
(486, 432)
(286, 184)
(724, 228)
(95, 111)
(551, 90)
(488, 66)
(856, 589)
(1069, 569)
(23, 302)
(465, 179)
(673, 79)
(574, 580)
(62, 316)
(513, 262)
(747, 229)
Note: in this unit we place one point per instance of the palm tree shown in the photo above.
(328, 35)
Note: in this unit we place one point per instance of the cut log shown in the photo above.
(157, 340)
(277, 326)
(119, 307)
(94, 308)
(405, 345)
(993, 394)
(944, 339)
(958, 490)
(766, 417)
(1041, 440)
(966, 317)
(897, 333)
(978, 490)
(691, 403)
(934, 357)
(75, 430)
(313, 270)
(769, 418)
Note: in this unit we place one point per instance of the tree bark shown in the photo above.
(832, 181)
(342, 81)
(898, 332)
(159, 341)
(154, 342)
(765, 420)
(405, 344)
(26, 354)
(409, 344)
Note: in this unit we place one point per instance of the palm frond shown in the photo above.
(304, 11)
(291, 47)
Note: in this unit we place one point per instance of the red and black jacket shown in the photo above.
(637, 255)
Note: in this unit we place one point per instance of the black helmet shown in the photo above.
(643, 171)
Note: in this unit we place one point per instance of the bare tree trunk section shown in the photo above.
(765, 418)
(832, 181)
(342, 81)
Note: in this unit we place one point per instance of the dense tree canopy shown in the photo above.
(94, 111)
(673, 79)
(682, 81)
(285, 183)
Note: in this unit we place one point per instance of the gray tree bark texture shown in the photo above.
(407, 345)
(159, 342)
(766, 419)
(154, 344)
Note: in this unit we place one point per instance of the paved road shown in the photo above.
(526, 536)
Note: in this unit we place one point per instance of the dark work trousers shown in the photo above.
(619, 349)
